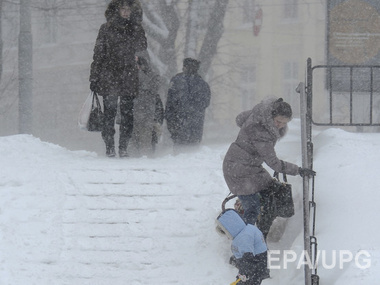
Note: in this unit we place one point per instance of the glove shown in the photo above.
(94, 86)
(306, 172)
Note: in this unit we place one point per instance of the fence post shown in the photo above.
(305, 163)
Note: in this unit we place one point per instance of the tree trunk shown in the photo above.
(1, 40)
(213, 35)
(25, 65)
(192, 29)
(162, 22)
(162, 27)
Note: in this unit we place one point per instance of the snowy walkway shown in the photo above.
(75, 218)
(117, 225)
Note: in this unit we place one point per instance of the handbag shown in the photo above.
(276, 201)
(96, 118)
(283, 198)
(91, 116)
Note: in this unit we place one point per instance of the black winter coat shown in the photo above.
(114, 64)
(188, 98)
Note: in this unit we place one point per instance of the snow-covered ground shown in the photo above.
(77, 217)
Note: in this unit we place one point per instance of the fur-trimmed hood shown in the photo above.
(246, 238)
(255, 144)
(112, 11)
(262, 114)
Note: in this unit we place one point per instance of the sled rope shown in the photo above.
(228, 198)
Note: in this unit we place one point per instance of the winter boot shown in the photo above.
(233, 261)
(110, 151)
(123, 152)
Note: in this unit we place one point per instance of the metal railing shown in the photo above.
(350, 81)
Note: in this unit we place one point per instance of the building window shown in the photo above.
(248, 84)
(290, 9)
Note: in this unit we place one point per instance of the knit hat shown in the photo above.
(192, 65)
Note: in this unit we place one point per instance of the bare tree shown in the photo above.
(25, 63)
(163, 21)
(192, 27)
(1, 39)
(213, 35)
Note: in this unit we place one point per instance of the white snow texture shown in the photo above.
(76, 217)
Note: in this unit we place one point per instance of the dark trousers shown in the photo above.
(126, 123)
(254, 267)
(251, 206)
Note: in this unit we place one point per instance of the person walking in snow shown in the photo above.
(248, 247)
(114, 72)
(188, 97)
(148, 110)
(159, 115)
(260, 129)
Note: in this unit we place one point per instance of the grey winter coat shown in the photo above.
(144, 111)
(242, 165)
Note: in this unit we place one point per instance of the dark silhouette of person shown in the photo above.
(114, 72)
(188, 97)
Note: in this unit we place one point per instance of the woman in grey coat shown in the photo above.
(145, 108)
(260, 129)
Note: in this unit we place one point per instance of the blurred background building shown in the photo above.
(262, 52)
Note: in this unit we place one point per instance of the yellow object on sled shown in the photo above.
(236, 282)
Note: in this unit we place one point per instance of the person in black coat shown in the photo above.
(114, 72)
(188, 97)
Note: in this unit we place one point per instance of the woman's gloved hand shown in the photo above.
(306, 172)
(94, 86)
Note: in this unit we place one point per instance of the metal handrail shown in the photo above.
(307, 121)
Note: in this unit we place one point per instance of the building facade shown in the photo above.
(262, 53)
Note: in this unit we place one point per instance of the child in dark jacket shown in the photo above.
(248, 247)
